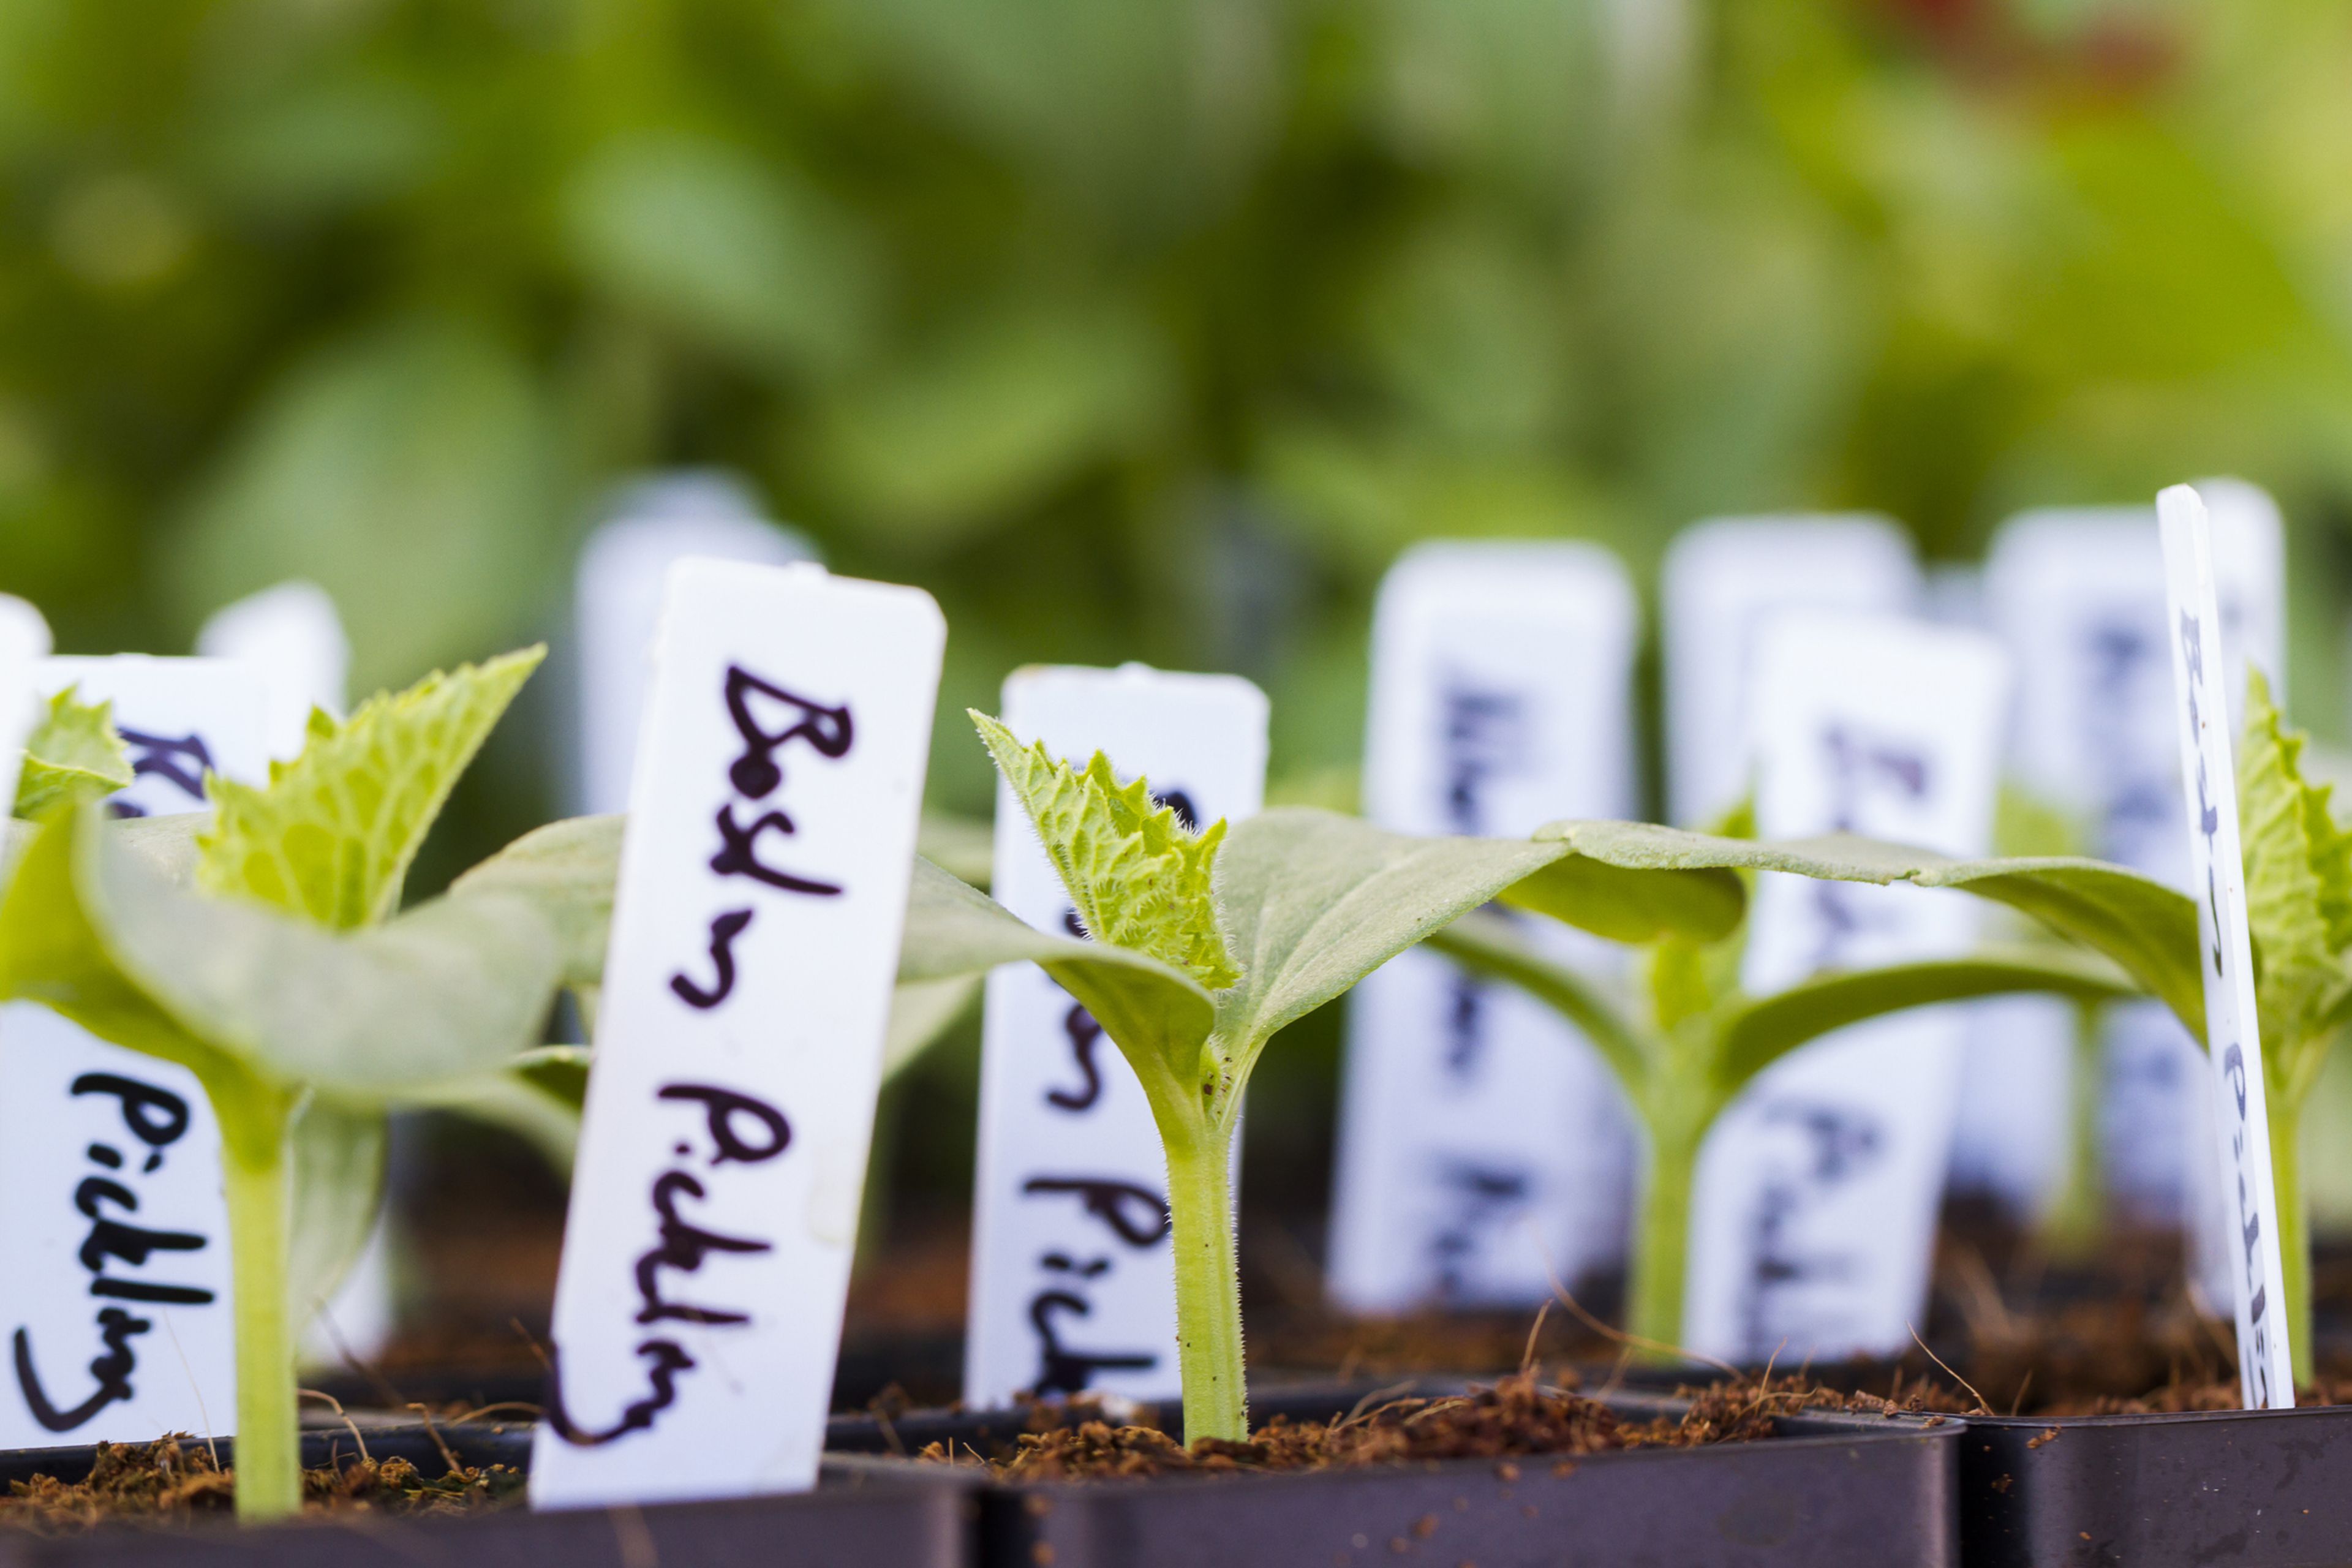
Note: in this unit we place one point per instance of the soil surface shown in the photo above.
(176, 1479)
(1520, 1417)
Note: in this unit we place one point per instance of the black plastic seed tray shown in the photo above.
(2254, 1489)
(1828, 1491)
(862, 1515)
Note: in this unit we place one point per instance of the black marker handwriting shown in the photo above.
(742, 1130)
(1085, 1034)
(738, 854)
(724, 929)
(111, 1370)
(755, 773)
(1061, 1370)
(667, 1359)
(1138, 1215)
(157, 1118)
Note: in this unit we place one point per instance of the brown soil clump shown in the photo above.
(176, 1479)
(1931, 1395)
(1520, 1417)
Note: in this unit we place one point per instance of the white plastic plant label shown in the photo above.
(1815, 1208)
(24, 643)
(293, 640)
(114, 1253)
(1073, 1272)
(2078, 596)
(618, 597)
(755, 942)
(1483, 1147)
(23, 630)
(2218, 883)
(1720, 580)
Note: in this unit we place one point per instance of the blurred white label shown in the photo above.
(2078, 596)
(115, 1286)
(1817, 1194)
(1072, 1273)
(292, 639)
(755, 940)
(1720, 580)
(618, 590)
(2217, 882)
(24, 631)
(1485, 1148)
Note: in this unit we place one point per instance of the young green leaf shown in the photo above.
(2298, 882)
(333, 834)
(72, 755)
(2145, 927)
(1139, 879)
(1156, 1014)
(1762, 1030)
(1633, 905)
(337, 1153)
(567, 871)
(536, 1095)
(1314, 901)
(459, 983)
(50, 953)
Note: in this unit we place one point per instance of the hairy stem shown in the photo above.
(254, 1165)
(1661, 1260)
(2073, 1228)
(1208, 1284)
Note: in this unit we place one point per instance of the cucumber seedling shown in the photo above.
(1684, 1039)
(260, 948)
(1202, 946)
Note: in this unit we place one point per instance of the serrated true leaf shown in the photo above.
(73, 754)
(1139, 879)
(2298, 877)
(333, 834)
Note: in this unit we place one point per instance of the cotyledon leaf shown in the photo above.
(1636, 905)
(566, 870)
(457, 985)
(539, 1095)
(1313, 901)
(1158, 1015)
(1761, 1030)
(50, 953)
(2144, 926)
(73, 754)
(332, 834)
(338, 1156)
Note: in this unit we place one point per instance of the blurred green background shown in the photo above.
(1135, 330)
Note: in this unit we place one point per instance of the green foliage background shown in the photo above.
(1146, 329)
